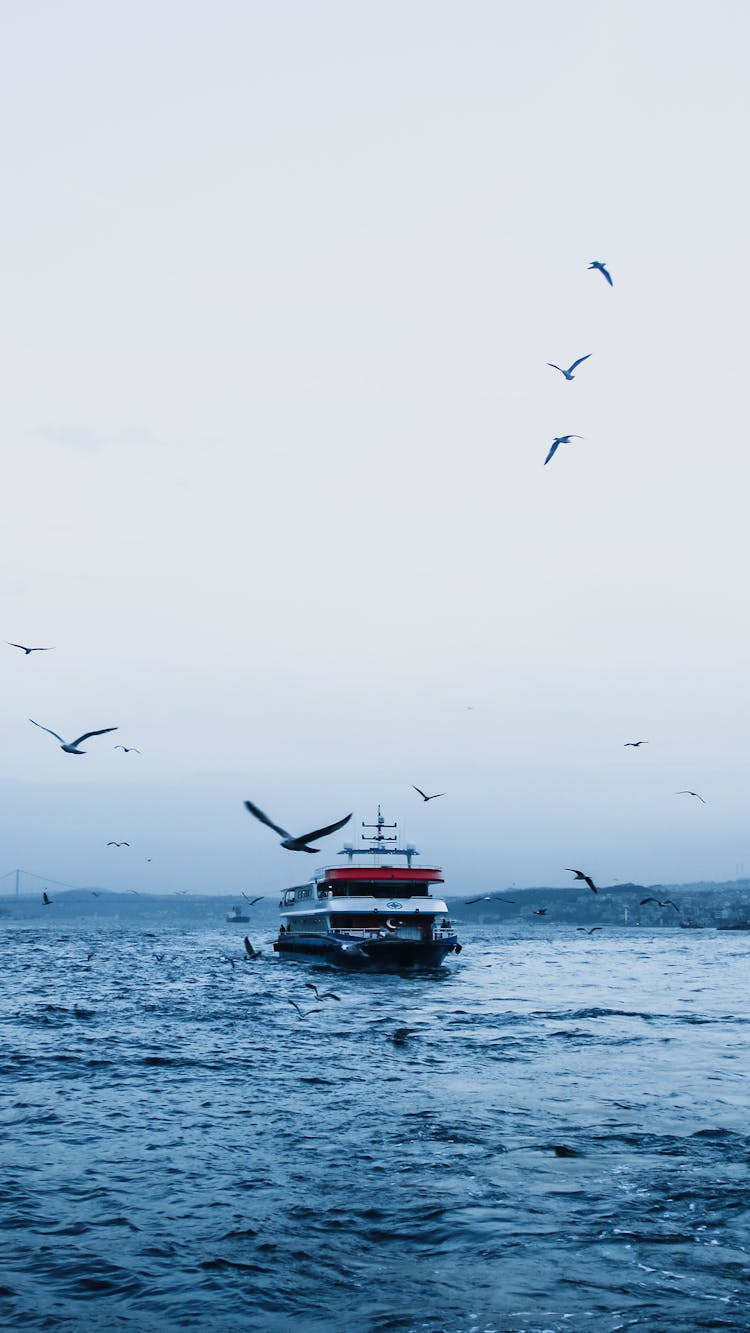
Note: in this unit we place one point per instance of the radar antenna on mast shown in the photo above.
(380, 825)
(378, 839)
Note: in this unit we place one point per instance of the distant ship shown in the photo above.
(374, 913)
(236, 914)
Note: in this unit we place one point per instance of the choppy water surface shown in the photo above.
(561, 1143)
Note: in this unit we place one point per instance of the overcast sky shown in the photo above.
(281, 281)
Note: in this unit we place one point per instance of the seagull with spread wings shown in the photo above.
(569, 372)
(118, 844)
(560, 439)
(26, 650)
(690, 793)
(586, 878)
(326, 995)
(600, 264)
(303, 1012)
(71, 747)
(489, 898)
(129, 749)
(634, 744)
(666, 903)
(288, 840)
(424, 795)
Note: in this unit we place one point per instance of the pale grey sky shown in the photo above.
(280, 286)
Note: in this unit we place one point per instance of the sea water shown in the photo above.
(560, 1142)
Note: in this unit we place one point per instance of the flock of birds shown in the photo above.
(543, 911)
(569, 374)
(303, 842)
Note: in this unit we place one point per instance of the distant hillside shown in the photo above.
(701, 904)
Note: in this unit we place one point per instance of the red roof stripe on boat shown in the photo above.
(372, 874)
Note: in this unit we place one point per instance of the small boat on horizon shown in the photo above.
(374, 913)
(236, 914)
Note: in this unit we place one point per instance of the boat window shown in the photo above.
(289, 895)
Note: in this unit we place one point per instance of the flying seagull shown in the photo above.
(303, 1013)
(540, 911)
(327, 994)
(47, 902)
(489, 898)
(634, 744)
(26, 650)
(602, 267)
(428, 798)
(118, 844)
(569, 372)
(291, 843)
(250, 951)
(586, 878)
(588, 932)
(560, 439)
(252, 901)
(71, 747)
(129, 749)
(689, 793)
(667, 903)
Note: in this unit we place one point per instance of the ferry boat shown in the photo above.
(372, 913)
(236, 914)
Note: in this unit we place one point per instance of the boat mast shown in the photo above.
(379, 840)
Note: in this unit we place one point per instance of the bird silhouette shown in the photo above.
(26, 650)
(252, 901)
(129, 749)
(541, 911)
(588, 932)
(569, 372)
(71, 747)
(327, 994)
(250, 951)
(118, 844)
(666, 903)
(288, 841)
(602, 267)
(560, 439)
(303, 1012)
(489, 898)
(689, 793)
(586, 878)
(47, 902)
(428, 798)
(634, 744)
